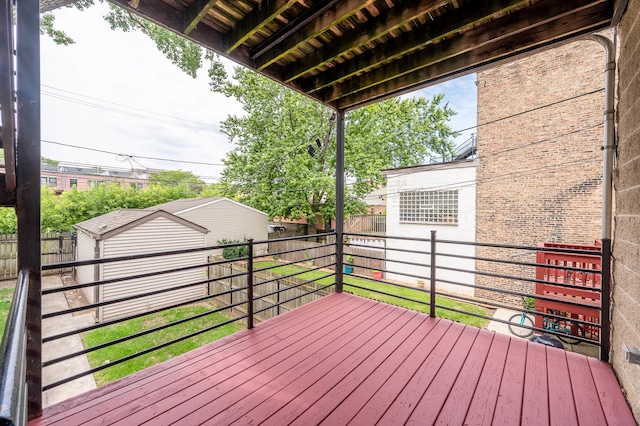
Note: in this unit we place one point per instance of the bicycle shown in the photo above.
(561, 328)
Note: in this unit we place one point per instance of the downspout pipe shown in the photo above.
(607, 168)
(609, 131)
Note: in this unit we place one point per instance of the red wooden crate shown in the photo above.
(590, 283)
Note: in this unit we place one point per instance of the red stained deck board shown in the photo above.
(485, 397)
(509, 403)
(406, 401)
(368, 387)
(277, 372)
(535, 399)
(375, 407)
(291, 400)
(433, 399)
(239, 367)
(457, 403)
(586, 397)
(345, 359)
(562, 408)
(347, 383)
(613, 403)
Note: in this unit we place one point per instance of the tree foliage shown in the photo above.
(284, 157)
(61, 212)
(186, 179)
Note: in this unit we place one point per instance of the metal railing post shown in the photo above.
(250, 284)
(278, 297)
(605, 299)
(432, 277)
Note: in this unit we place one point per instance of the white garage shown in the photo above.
(129, 232)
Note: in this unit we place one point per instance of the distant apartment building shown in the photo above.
(63, 177)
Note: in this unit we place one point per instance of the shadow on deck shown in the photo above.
(345, 359)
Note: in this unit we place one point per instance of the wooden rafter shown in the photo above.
(342, 12)
(382, 25)
(195, 13)
(254, 22)
(490, 52)
(411, 41)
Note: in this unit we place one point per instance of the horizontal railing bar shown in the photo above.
(127, 298)
(402, 262)
(139, 256)
(514, 262)
(139, 334)
(515, 277)
(142, 314)
(270, 280)
(274, 305)
(516, 293)
(528, 248)
(291, 287)
(296, 237)
(388, 249)
(137, 354)
(276, 253)
(391, 294)
(132, 277)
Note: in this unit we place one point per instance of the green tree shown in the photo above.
(187, 179)
(284, 159)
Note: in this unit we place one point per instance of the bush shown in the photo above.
(234, 252)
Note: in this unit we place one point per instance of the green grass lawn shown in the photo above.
(6, 295)
(120, 350)
(405, 292)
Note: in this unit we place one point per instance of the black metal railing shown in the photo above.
(453, 270)
(242, 299)
(13, 364)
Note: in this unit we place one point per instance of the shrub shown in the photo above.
(234, 252)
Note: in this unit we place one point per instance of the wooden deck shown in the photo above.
(348, 360)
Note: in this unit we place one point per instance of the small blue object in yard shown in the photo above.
(348, 269)
(547, 340)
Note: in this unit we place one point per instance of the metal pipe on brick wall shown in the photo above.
(609, 130)
(607, 168)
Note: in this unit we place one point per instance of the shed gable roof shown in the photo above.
(187, 204)
(115, 222)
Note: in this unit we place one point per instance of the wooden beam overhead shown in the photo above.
(341, 13)
(195, 12)
(509, 26)
(294, 26)
(409, 42)
(253, 22)
(503, 49)
(382, 25)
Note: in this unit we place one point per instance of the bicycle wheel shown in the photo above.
(516, 321)
(568, 337)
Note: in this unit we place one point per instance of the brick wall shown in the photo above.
(626, 241)
(540, 172)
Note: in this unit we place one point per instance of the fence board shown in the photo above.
(55, 247)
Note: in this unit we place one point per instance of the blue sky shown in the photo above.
(115, 92)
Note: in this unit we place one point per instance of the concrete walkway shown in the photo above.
(51, 350)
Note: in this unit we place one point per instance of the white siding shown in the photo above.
(461, 178)
(226, 219)
(84, 274)
(156, 235)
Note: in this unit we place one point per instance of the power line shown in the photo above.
(532, 109)
(178, 121)
(170, 160)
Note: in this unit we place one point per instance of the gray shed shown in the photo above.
(129, 232)
(223, 218)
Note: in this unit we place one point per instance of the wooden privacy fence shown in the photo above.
(55, 247)
(366, 224)
(306, 250)
(280, 285)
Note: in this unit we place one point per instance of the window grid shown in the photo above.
(429, 207)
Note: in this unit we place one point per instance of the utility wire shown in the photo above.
(131, 156)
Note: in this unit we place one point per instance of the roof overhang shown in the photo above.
(347, 53)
